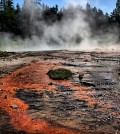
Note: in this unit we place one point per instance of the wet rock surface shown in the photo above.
(63, 109)
(67, 107)
(5, 125)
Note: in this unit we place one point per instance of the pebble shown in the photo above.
(14, 106)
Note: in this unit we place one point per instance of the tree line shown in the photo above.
(17, 20)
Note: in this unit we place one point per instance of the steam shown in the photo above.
(72, 32)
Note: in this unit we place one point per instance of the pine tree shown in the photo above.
(88, 8)
(18, 9)
(94, 11)
(2, 4)
(115, 15)
(9, 16)
(118, 7)
(9, 5)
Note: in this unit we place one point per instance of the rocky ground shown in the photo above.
(31, 102)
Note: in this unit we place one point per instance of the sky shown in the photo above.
(105, 5)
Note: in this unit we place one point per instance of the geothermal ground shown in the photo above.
(32, 103)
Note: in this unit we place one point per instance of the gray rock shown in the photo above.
(14, 106)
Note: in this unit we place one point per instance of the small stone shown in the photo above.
(5, 97)
(14, 106)
(1, 83)
(50, 83)
(81, 75)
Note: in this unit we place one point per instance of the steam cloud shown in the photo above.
(72, 32)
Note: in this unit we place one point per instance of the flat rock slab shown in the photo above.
(61, 108)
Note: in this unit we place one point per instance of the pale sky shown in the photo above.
(105, 5)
